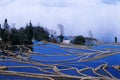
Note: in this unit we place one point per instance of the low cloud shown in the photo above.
(77, 16)
(5, 2)
(110, 1)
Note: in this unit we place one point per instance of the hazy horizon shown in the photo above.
(77, 16)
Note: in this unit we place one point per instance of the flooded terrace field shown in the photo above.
(48, 61)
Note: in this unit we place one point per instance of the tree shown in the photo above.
(90, 34)
(53, 33)
(23, 35)
(5, 33)
(40, 33)
(53, 36)
(61, 38)
(29, 33)
(61, 29)
(29, 30)
(90, 39)
(15, 38)
(115, 39)
(79, 40)
(0, 30)
(6, 26)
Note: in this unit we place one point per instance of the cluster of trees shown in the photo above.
(24, 35)
(79, 40)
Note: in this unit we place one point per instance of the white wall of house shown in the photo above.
(66, 41)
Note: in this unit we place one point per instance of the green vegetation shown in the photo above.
(40, 33)
(115, 39)
(79, 40)
(61, 37)
(23, 35)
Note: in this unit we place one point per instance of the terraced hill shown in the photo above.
(53, 62)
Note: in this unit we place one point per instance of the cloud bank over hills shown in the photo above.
(77, 16)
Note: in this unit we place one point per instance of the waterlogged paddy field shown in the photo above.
(50, 60)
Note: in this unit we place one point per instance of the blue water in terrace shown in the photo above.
(68, 49)
(90, 64)
(103, 47)
(52, 58)
(77, 66)
(102, 72)
(62, 67)
(54, 46)
(64, 61)
(89, 72)
(37, 42)
(55, 49)
(48, 50)
(72, 72)
(111, 60)
(91, 56)
(49, 70)
(61, 61)
(6, 77)
(114, 72)
(48, 44)
(28, 69)
(74, 50)
(11, 63)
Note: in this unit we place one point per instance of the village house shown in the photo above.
(68, 39)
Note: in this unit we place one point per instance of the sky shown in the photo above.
(77, 16)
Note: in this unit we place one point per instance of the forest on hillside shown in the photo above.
(24, 35)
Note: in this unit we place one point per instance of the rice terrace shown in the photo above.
(48, 61)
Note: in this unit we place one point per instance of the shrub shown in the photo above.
(79, 40)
